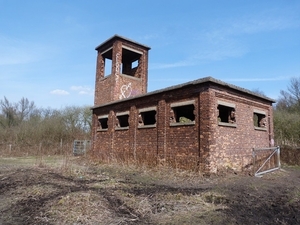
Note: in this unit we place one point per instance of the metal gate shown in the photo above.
(80, 147)
(266, 160)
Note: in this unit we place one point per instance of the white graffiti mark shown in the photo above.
(125, 91)
(117, 63)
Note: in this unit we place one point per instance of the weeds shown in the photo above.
(71, 190)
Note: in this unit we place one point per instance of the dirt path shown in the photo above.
(102, 195)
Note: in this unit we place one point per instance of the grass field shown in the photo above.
(73, 190)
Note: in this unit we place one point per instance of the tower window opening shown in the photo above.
(107, 67)
(130, 61)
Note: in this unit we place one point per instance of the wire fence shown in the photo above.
(48, 148)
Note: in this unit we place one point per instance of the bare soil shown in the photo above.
(75, 192)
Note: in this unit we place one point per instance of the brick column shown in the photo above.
(99, 75)
(116, 66)
(161, 123)
(204, 105)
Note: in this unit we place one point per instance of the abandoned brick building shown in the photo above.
(206, 124)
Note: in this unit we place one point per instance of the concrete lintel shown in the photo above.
(153, 108)
(232, 105)
(176, 104)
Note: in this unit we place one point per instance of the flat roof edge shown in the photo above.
(194, 82)
(241, 89)
(116, 36)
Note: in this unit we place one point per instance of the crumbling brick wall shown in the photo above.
(232, 146)
(203, 144)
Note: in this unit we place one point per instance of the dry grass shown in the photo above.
(73, 190)
(80, 208)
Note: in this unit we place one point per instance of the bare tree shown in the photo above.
(25, 109)
(77, 120)
(8, 113)
(258, 91)
(87, 118)
(24, 125)
(290, 99)
(287, 115)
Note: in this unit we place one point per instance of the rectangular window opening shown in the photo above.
(182, 114)
(107, 67)
(129, 68)
(130, 61)
(103, 123)
(122, 121)
(226, 114)
(147, 118)
(259, 120)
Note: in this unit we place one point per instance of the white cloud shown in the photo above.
(59, 92)
(83, 90)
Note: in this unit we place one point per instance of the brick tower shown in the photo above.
(128, 72)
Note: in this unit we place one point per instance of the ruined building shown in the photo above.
(206, 124)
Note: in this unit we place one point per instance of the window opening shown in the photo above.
(130, 61)
(226, 114)
(122, 121)
(128, 68)
(182, 114)
(135, 63)
(107, 67)
(259, 120)
(147, 118)
(103, 123)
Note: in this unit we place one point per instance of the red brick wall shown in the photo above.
(232, 146)
(176, 146)
(129, 87)
(204, 145)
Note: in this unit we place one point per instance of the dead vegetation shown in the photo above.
(69, 190)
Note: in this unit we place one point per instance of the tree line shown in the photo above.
(25, 126)
(287, 115)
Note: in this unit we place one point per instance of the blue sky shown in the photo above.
(47, 48)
